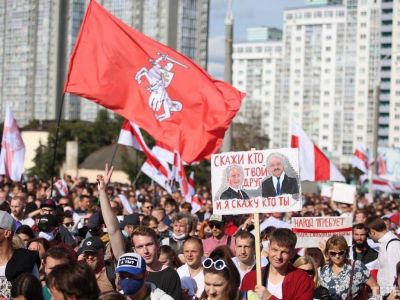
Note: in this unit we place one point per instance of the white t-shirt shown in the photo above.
(183, 271)
(236, 261)
(275, 289)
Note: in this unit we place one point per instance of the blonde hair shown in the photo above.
(305, 260)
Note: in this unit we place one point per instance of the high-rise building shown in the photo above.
(262, 34)
(257, 69)
(389, 83)
(38, 38)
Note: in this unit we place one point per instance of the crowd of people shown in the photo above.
(106, 240)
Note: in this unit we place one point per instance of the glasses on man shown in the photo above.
(68, 224)
(216, 225)
(218, 264)
(334, 254)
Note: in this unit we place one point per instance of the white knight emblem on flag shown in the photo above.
(160, 77)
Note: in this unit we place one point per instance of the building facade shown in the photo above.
(39, 36)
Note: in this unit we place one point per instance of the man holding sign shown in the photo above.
(279, 182)
(280, 280)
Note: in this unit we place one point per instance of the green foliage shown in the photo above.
(91, 136)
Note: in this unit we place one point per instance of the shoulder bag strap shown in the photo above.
(349, 294)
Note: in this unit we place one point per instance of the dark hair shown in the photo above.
(27, 230)
(266, 233)
(61, 253)
(360, 226)
(230, 273)
(284, 237)
(376, 224)
(396, 281)
(147, 219)
(246, 235)
(28, 286)
(45, 243)
(186, 205)
(74, 279)
(112, 295)
(171, 254)
(316, 254)
(170, 201)
(144, 231)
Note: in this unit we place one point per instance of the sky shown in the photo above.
(246, 13)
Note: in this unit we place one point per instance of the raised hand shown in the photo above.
(103, 180)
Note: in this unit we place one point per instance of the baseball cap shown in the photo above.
(95, 220)
(217, 218)
(48, 203)
(132, 219)
(91, 244)
(47, 222)
(131, 263)
(7, 221)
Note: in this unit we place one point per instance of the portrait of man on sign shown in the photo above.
(283, 179)
(232, 184)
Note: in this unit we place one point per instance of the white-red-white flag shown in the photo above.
(130, 135)
(192, 188)
(360, 159)
(179, 174)
(382, 169)
(12, 154)
(380, 184)
(314, 165)
(157, 176)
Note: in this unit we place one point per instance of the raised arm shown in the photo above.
(111, 221)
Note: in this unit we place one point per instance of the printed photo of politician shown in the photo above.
(283, 178)
(232, 182)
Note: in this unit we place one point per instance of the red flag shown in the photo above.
(12, 154)
(157, 88)
(314, 165)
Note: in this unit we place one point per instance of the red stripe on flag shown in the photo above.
(361, 156)
(322, 165)
(347, 229)
(295, 141)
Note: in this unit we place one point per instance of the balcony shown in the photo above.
(383, 131)
(384, 108)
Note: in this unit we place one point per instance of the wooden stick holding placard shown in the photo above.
(258, 243)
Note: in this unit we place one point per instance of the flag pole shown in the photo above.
(53, 164)
(113, 156)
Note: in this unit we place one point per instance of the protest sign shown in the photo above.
(311, 231)
(326, 190)
(258, 181)
(344, 193)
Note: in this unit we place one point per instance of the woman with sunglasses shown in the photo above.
(307, 264)
(221, 278)
(340, 273)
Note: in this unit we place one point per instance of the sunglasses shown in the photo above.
(216, 225)
(63, 204)
(340, 253)
(218, 264)
(68, 224)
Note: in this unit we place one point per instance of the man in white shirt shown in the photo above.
(245, 252)
(389, 252)
(193, 269)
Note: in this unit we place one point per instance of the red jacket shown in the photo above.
(297, 284)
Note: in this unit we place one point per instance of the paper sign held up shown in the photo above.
(311, 231)
(344, 193)
(326, 190)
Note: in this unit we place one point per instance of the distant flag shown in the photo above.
(12, 154)
(360, 159)
(380, 184)
(62, 187)
(313, 164)
(382, 169)
(192, 188)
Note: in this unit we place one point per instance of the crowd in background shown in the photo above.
(106, 240)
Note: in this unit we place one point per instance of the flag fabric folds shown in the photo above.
(380, 184)
(360, 159)
(12, 154)
(314, 165)
(159, 89)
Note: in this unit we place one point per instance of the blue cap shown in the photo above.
(131, 263)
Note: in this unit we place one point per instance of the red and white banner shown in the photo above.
(62, 187)
(314, 165)
(161, 90)
(311, 231)
(157, 176)
(12, 154)
(381, 184)
(360, 159)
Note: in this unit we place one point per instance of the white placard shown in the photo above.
(247, 182)
(326, 190)
(311, 231)
(344, 193)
